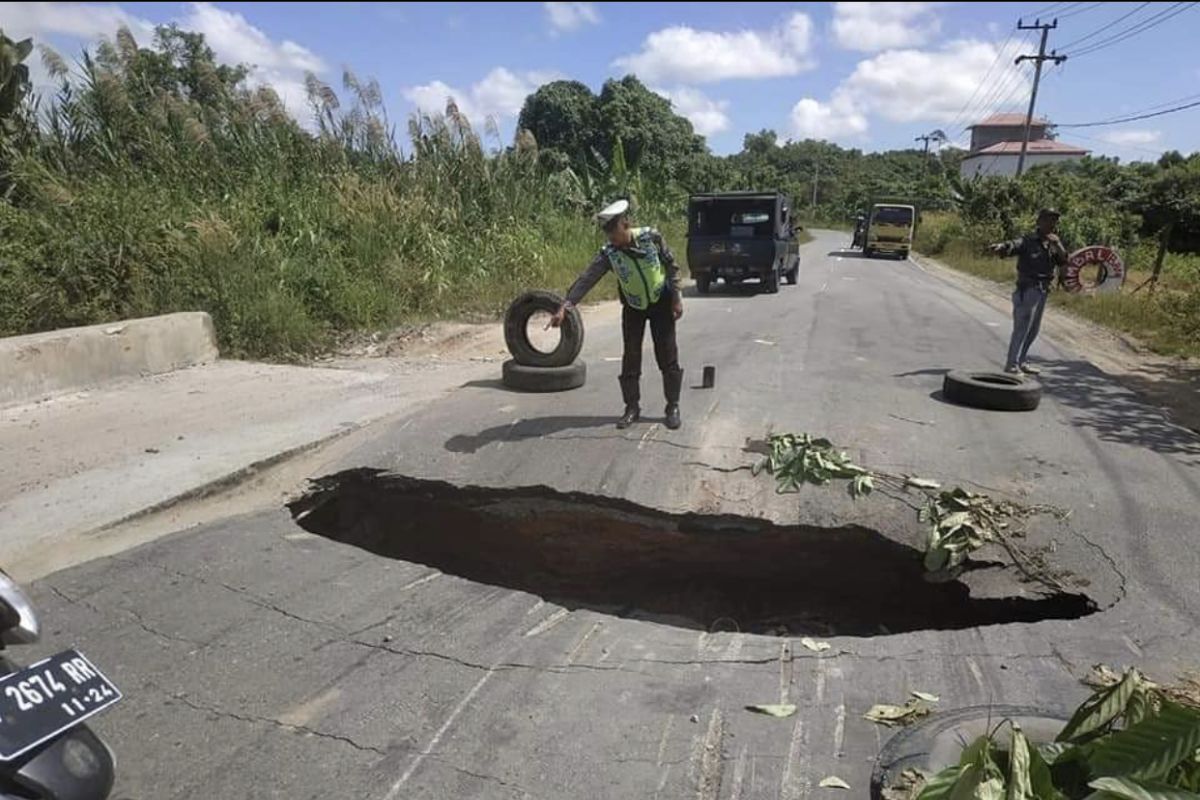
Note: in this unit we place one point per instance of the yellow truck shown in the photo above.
(890, 229)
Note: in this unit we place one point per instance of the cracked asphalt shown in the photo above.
(258, 660)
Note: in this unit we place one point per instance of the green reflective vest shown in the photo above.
(640, 272)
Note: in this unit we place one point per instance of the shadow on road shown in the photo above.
(522, 430)
(921, 372)
(725, 290)
(1117, 413)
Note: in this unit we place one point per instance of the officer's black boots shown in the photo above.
(672, 385)
(631, 394)
(631, 415)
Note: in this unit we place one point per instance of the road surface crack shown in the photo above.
(480, 776)
(277, 723)
(1111, 562)
(131, 614)
(248, 595)
(581, 437)
(714, 468)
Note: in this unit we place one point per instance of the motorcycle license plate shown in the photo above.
(47, 698)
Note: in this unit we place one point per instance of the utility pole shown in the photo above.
(1038, 60)
(816, 177)
(926, 139)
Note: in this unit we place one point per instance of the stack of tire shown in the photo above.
(534, 370)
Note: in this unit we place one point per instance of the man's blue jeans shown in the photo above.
(1028, 305)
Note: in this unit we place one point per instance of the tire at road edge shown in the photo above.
(543, 379)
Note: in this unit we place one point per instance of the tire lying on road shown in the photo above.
(937, 741)
(516, 331)
(543, 379)
(995, 391)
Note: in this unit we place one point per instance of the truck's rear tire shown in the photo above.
(702, 284)
(793, 274)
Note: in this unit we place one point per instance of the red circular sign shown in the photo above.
(1110, 272)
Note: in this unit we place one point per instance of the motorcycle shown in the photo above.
(46, 750)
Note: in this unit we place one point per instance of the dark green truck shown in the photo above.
(739, 236)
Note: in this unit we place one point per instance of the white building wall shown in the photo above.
(1005, 164)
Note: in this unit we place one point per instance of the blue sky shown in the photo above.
(869, 75)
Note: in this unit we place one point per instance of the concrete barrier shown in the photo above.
(42, 364)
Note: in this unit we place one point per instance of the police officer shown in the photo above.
(649, 285)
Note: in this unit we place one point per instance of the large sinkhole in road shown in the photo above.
(689, 570)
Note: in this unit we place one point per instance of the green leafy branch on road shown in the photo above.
(1130, 740)
(959, 522)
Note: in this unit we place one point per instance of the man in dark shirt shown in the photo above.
(1040, 257)
(649, 285)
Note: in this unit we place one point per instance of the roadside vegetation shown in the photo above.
(154, 179)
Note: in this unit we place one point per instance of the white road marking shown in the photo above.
(739, 774)
(648, 435)
(394, 792)
(549, 622)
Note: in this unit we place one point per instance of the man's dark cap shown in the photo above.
(1049, 212)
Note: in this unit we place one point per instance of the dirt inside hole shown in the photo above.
(695, 571)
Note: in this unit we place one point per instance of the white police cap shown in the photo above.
(612, 211)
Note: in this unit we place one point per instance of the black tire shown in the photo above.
(516, 334)
(995, 391)
(868, 252)
(793, 274)
(903, 255)
(936, 742)
(771, 281)
(702, 284)
(543, 379)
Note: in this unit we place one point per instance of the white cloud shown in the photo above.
(1132, 137)
(911, 85)
(87, 21)
(915, 86)
(872, 27)
(839, 119)
(685, 55)
(499, 94)
(236, 41)
(231, 36)
(565, 17)
(707, 115)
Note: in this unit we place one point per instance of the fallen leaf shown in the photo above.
(926, 696)
(922, 483)
(1101, 677)
(815, 646)
(782, 710)
(833, 782)
(891, 715)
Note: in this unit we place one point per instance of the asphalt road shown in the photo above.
(261, 660)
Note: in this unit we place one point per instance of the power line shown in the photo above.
(1133, 30)
(1004, 83)
(1105, 27)
(999, 55)
(1054, 8)
(1079, 11)
(1129, 119)
(1116, 144)
(1176, 101)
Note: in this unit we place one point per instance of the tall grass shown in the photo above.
(155, 181)
(1165, 320)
